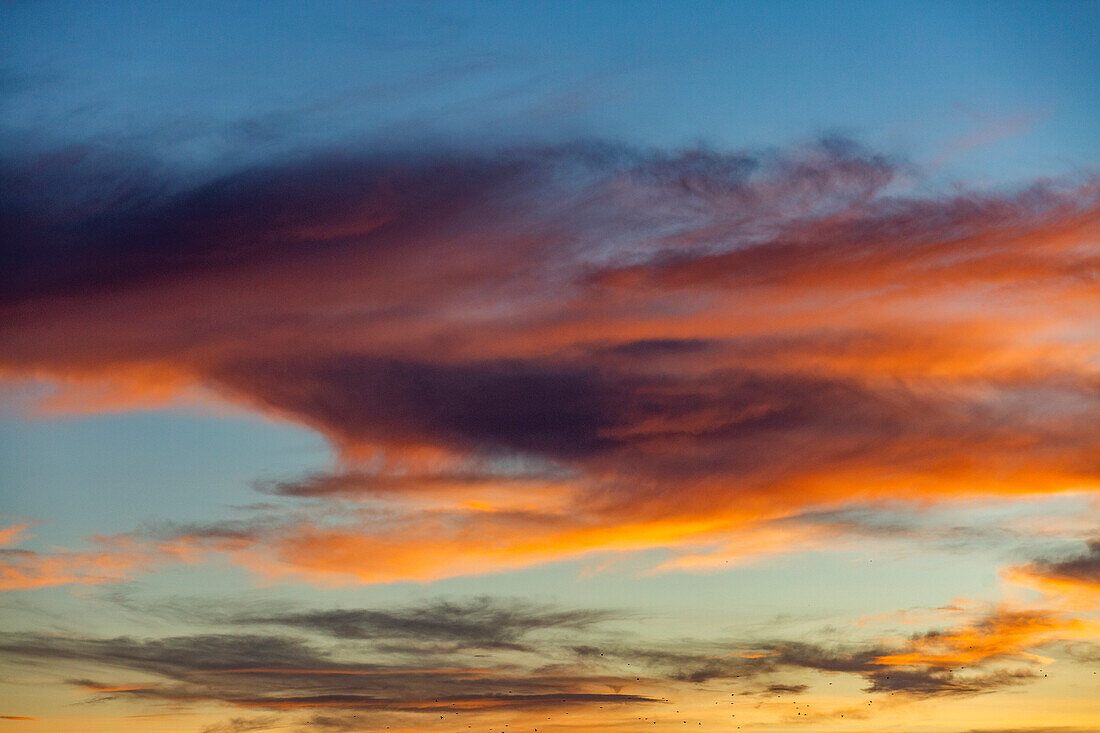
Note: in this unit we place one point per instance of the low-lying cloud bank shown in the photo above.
(475, 656)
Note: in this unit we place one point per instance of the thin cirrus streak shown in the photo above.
(24, 569)
(765, 333)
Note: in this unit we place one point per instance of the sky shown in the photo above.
(550, 367)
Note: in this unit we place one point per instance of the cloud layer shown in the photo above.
(454, 661)
(535, 354)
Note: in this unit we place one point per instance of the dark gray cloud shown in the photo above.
(931, 682)
(481, 623)
(175, 657)
(778, 689)
(731, 422)
(356, 668)
(276, 672)
(85, 221)
(529, 407)
(699, 663)
(243, 725)
(363, 484)
(345, 667)
(1079, 568)
(900, 241)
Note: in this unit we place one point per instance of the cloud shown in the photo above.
(358, 668)
(264, 672)
(481, 623)
(1005, 633)
(1076, 577)
(992, 652)
(241, 725)
(537, 353)
(909, 245)
(781, 689)
(778, 689)
(115, 561)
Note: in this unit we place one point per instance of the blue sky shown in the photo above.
(201, 79)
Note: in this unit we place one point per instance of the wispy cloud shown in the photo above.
(663, 349)
(474, 657)
(423, 660)
(113, 561)
(479, 624)
(993, 651)
(1074, 579)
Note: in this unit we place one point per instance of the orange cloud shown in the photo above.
(119, 558)
(11, 535)
(662, 350)
(1003, 635)
(430, 548)
(1072, 581)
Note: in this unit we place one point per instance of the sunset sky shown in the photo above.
(558, 367)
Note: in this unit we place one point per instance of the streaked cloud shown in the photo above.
(426, 660)
(537, 354)
(1074, 579)
(22, 569)
(993, 651)
(483, 623)
(446, 658)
